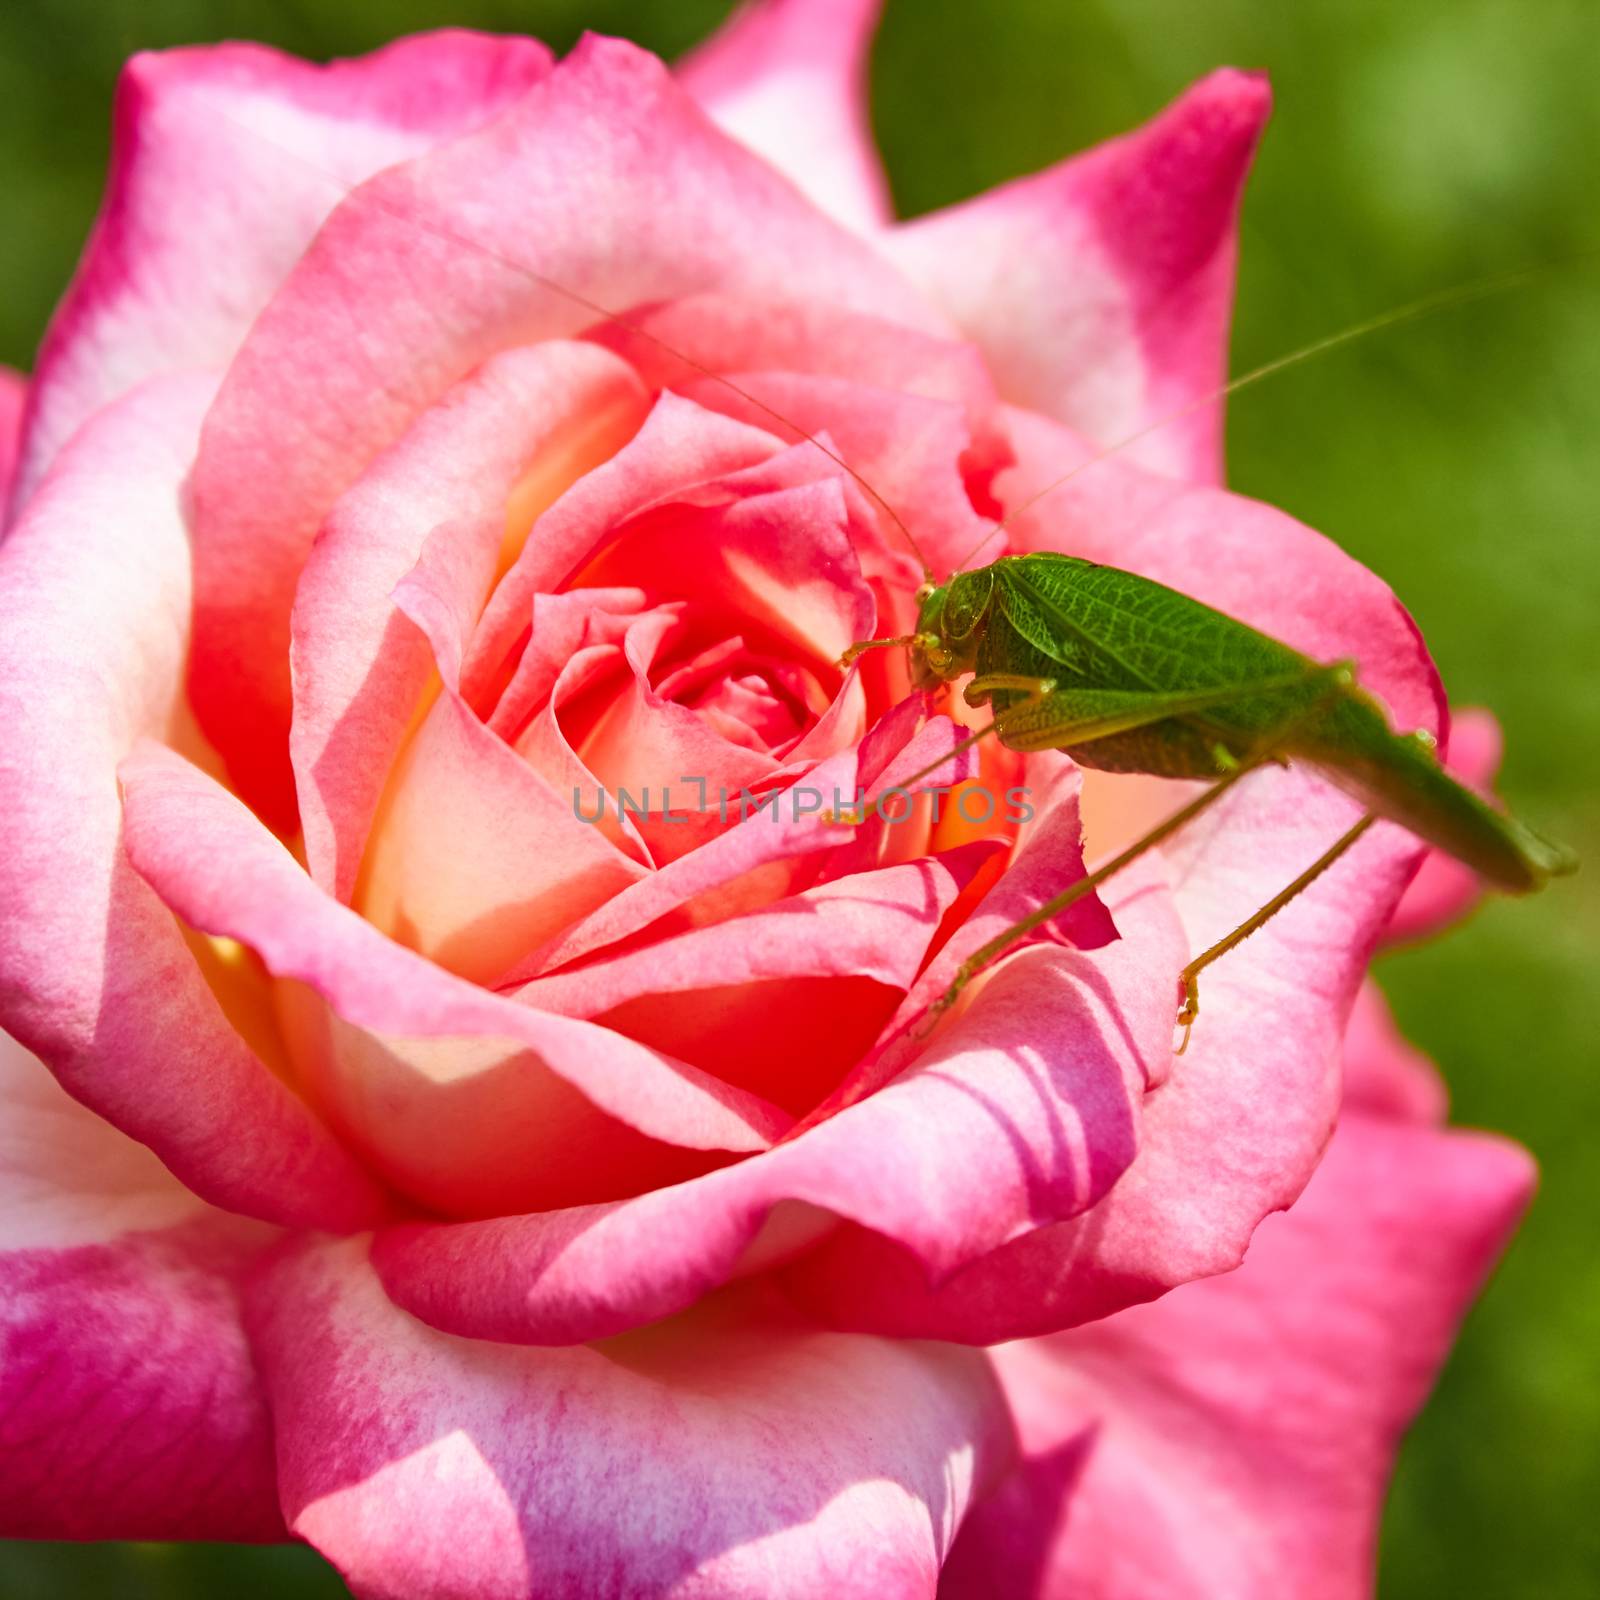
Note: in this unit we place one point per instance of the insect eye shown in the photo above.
(924, 594)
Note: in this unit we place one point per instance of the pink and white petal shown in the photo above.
(95, 976)
(788, 79)
(782, 1000)
(1237, 1437)
(680, 340)
(1384, 1073)
(586, 677)
(1026, 1110)
(472, 1103)
(563, 626)
(738, 1452)
(911, 450)
(13, 397)
(1048, 859)
(529, 421)
(602, 187)
(236, 153)
(1445, 889)
(680, 447)
(874, 924)
(475, 858)
(761, 858)
(129, 1405)
(71, 1178)
(698, 339)
(1101, 289)
(646, 733)
(779, 565)
(1231, 1135)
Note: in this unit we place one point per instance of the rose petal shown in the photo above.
(679, 447)
(872, 924)
(672, 732)
(782, 999)
(642, 742)
(236, 153)
(777, 564)
(585, 678)
(1445, 889)
(1025, 1110)
(738, 1452)
(1236, 1437)
(1101, 289)
(787, 78)
(678, 341)
(475, 859)
(712, 345)
(129, 1407)
(563, 625)
(1048, 861)
(94, 974)
(1384, 1073)
(604, 179)
(13, 397)
(910, 450)
(470, 1102)
(359, 668)
(757, 861)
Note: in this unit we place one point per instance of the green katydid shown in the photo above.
(1127, 675)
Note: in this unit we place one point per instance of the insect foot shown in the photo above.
(842, 819)
(1190, 1009)
(965, 973)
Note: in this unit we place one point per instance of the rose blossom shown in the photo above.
(510, 1204)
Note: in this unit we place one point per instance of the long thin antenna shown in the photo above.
(443, 231)
(1441, 300)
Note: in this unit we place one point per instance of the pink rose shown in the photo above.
(510, 1203)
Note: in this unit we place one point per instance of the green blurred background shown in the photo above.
(1414, 145)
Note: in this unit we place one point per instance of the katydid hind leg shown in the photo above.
(1188, 979)
(1066, 714)
(1400, 777)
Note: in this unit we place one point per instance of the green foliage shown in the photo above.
(1415, 146)
(165, 1572)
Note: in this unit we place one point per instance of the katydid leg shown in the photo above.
(1190, 974)
(860, 648)
(1002, 941)
(1057, 714)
